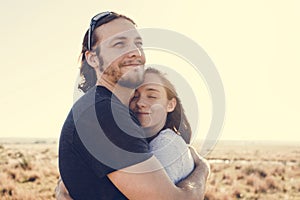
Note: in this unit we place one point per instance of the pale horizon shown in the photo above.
(253, 45)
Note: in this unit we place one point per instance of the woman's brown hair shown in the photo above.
(176, 120)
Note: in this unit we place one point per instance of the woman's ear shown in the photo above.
(171, 105)
(92, 59)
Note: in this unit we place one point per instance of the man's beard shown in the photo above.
(133, 78)
(130, 79)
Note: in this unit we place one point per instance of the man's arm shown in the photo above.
(154, 184)
(196, 181)
(157, 185)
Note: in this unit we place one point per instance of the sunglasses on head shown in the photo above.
(93, 23)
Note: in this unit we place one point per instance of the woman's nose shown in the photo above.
(141, 103)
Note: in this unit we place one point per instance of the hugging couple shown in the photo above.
(127, 137)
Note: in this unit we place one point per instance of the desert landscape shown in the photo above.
(239, 170)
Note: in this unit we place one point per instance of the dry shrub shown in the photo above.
(15, 155)
(271, 183)
(216, 196)
(209, 196)
(240, 177)
(25, 164)
(21, 176)
(211, 193)
(251, 180)
(237, 167)
(7, 187)
(237, 194)
(6, 191)
(30, 177)
(226, 179)
(255, 170)
(224, 197)
(214, 168)
(212, 182)
(260, 187)
(278, 171)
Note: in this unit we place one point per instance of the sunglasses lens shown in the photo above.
(100, 15)
(94, 21)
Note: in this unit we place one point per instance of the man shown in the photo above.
(103, 152)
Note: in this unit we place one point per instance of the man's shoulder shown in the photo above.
(96, 96)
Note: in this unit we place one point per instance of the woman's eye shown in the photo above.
(152, 97)
(135, 97)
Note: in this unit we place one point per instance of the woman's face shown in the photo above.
(150, 103)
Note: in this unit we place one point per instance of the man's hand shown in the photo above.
(196, 181)
(200, 161)
(61, 192)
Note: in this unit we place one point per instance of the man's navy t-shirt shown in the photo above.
(99, 136)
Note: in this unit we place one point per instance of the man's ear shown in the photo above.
(171, 105)
(92, 59)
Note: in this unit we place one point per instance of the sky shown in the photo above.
(254, 45)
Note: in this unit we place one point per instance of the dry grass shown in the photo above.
(254, 172)
(28, 171)
(241, 171)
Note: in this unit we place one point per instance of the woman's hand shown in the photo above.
(61, 192)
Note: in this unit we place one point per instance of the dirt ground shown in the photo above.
(239, 170)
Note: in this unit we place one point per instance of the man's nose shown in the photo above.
(135, 51)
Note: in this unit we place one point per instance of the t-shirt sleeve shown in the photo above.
(110, 134)
(173, 153)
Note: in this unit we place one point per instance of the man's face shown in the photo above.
(121, 53)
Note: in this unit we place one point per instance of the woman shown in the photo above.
(160, 113)
(159, 110)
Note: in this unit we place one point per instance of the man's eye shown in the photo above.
(119, 44)
(139, 44)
